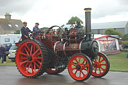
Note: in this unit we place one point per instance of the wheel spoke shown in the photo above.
(27, 47)
(82, 72)
(73, 64)
(23, 58)
(31, 49)
(99, 58)
(102, 60)
(38, 61)
(26, 51)
(103, 64)
(76, 60)
(21, 53)
(99, 71)
(23, 62)
(37, 55)
(79, 59)
(95, 70)
(34, 48)
(95, 60)
(35, 52)
(36, 64)
(34, 67)
(83, 62)
(86, 65)
(102, 69)
(38, 58)
(75, 72)
(28, 67)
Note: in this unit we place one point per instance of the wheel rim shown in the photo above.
(29, 58)
(52, 70)
(78, 67)
(99, 65)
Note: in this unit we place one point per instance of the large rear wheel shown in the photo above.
(80, 67)
(101, 65)
(31, 58)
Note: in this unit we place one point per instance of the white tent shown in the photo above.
(107, 44)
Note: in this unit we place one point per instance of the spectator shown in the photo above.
(2, 53)
(36, 30)
(7, 47)
(25, 31)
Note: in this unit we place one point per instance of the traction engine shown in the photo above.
(54, 51)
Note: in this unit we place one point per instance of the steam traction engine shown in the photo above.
(53, 51)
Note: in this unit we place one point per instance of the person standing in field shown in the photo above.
(2, 52)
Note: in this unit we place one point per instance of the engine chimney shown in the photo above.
(88, 23)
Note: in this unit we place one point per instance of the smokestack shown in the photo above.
(88, 23)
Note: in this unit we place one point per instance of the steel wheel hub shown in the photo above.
(30, 58)
(78, 67)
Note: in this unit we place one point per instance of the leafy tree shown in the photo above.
(125, 37)
(74, 19)
(111, 31)
(62, 25)
(17, 32)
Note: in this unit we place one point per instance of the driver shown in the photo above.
(25, 31)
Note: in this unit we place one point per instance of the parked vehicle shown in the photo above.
(12, 52)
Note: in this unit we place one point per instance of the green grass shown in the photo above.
(8, 62)
(118, 62)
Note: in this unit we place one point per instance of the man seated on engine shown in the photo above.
(25, 31)
(36, 30)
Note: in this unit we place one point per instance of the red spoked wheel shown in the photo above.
(101, 65)
(80, 67)
(31, 58)
(54, 71)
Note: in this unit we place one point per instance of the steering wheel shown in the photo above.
(58, 30)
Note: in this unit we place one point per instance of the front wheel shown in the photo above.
(101, 65)
(80, 67)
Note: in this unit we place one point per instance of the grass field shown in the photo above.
(118, 62)
(8, 62)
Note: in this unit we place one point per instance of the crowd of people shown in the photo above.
(25, 35)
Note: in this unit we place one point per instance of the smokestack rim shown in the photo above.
(87, 9)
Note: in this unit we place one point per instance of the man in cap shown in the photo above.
(25, 31)
(36, 29)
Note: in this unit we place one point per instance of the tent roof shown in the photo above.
(99, 36)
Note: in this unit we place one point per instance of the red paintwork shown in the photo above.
(51, 70)
(99, 65)
(106, 36)
(26, 67)
(68, 50)
(73, 34)
(78, 74)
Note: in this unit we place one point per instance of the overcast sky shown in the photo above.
(58, 12)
